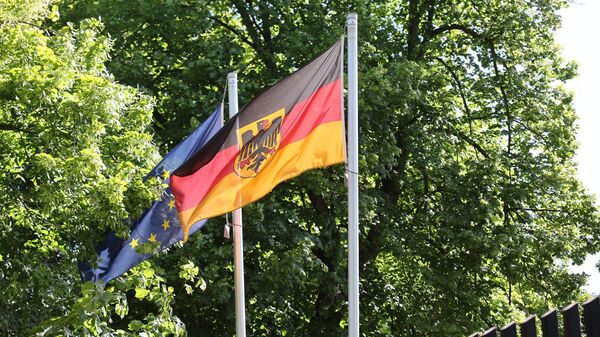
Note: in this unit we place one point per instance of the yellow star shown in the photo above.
(171, 204)
(166, 174)
(134, 243)
(152, 237)
(166, 224)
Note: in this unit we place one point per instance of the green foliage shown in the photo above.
(189, 272)
(99, 306)
(74, 144)
(469, 197)
(161, 46)
(26, 11)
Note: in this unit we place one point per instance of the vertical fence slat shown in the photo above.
(491, 332)
(591, 317)
(550, 324)
(509, 330)
(571, 320)
(528, 328)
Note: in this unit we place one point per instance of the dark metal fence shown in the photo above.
(572, 323)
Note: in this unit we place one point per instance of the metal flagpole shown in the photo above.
(353, 278)
(238, 247)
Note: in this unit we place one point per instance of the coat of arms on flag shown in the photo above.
(259, 141)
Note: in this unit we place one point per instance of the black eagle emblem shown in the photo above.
(259, 148)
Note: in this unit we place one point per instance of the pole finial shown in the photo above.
(352, 19)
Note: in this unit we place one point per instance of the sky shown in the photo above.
(578, 37)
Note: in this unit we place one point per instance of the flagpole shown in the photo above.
(353, 230)
(238, 246)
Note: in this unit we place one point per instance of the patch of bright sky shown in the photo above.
(579, 39)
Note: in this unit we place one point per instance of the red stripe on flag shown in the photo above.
(321, 107)
(191, 189)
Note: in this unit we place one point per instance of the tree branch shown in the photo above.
(430, 16)
(9, 127)
(428, 26)
(255, 32)
(494, 56)
(248, 22)
(234, 31)
(460, 90)
(551, 210)
(48, 30)
(526, 127)
(266, 26)
(471, 142)
(456, 26)
(414, 18)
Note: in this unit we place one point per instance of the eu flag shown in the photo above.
(159, 224)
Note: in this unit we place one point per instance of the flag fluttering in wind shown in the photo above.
(159, 224)
(294, 126)
(190, 146)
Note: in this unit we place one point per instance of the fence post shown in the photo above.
(509, 330)
(550, 324)
(571, 320)
(528, 328)
(591, 317)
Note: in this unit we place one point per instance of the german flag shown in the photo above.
(294, 126)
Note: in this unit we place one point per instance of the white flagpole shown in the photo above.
(238, 246)
(353, 230)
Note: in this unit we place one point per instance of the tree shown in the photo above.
(468, 187)
(104, 310)
(74, 145)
